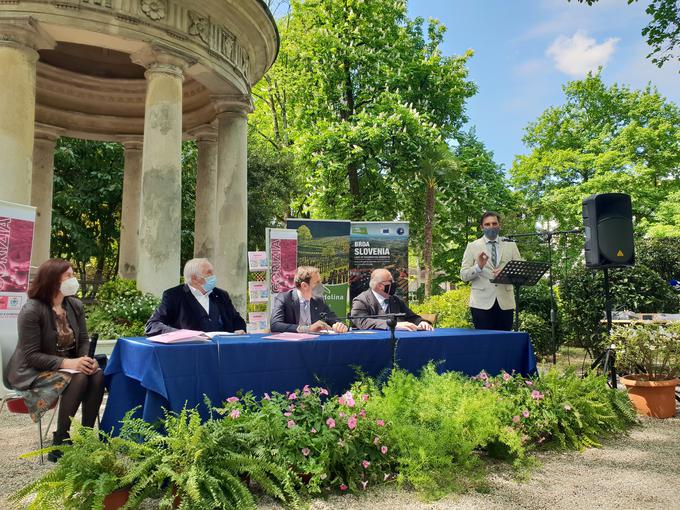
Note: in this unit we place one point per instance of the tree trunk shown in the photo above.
(430, 189)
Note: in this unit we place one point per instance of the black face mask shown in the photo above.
(390, 289)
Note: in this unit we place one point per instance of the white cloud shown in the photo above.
(579, 54)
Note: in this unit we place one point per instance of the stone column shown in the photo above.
(19, 40)
(205, 222)
(231, 250)
(158, 258)
(42, 184)
(129, 218)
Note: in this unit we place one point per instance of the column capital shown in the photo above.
(157, 58)
(24, 32)
(232, 104)
(47, 132)
(133, 143)
(204, 133)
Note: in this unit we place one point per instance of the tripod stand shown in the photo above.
(547, 237)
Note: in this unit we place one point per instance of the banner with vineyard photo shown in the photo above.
(325, 244)
(377, 244)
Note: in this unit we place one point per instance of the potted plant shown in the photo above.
(649, 355)
(92, 473)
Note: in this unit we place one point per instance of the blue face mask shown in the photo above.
(210, 283)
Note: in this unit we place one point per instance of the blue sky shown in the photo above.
(525, 50)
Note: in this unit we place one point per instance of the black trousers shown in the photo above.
(493, 318)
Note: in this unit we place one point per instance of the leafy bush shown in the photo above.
(452, 308)
(539, 332)
(121, 310)
(651, 350)
(660, 255)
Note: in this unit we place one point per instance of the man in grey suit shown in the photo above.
(303, 309)
(379, 299)
(491, 304)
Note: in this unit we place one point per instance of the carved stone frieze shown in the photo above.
(200, 26)
(154, 9)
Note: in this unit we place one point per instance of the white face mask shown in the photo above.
(69, 287)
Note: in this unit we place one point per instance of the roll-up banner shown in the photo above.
(282, 246)
(373, 245)
(325, 244)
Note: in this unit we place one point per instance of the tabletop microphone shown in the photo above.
(93, 345)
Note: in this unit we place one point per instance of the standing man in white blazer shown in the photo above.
(492, 305)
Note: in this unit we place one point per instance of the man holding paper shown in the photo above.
(197, 304)
(303, 309)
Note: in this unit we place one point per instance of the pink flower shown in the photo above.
(305, 451)
(231, 400)
(352, 422)
(292, 396)
(536, 395)
(235, 413)
(383, 450)
(343, 487)
(287, 414)
(365, 463)
(364, 484)
(364, 397)
(331, 423)
(342, 415)
(306, 390)
(515, 419)
(291, 407)
(362, 413)
(483, 376)
(506, 376)
(525, 413)
(376, 440)
(323, 391)
(380, 423)
(487, 385)
(529, 383)
(291, 424)
(266, 396)
(341, 401)
(313, 431)
(567, 407)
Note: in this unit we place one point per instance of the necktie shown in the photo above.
(494, 254)
(305, 318)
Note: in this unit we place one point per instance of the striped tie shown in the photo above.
(494, 254)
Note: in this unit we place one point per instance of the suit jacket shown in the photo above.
(286, 312)
(179, 309)
(484, 293)
(366, 304)
(36, 349)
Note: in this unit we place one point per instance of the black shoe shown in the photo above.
(57, 440)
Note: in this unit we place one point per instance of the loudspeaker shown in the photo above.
(608, 222)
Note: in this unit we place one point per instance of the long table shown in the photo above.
(157, 376)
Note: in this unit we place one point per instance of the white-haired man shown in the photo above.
(197, 304)
(379, 299)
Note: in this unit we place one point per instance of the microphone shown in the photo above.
(93, 345)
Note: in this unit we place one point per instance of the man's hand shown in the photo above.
(425, 326)
(406, 326)
(481, 260)
(318, 326)
(339, 327)
(496, 271)
(239, 332)
(84, 364)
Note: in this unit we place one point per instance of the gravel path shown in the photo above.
(639, 471)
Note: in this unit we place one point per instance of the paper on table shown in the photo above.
(180, 335)
(213, 334)
(291, 336)
(73, 371)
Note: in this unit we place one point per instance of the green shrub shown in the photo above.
(121, 310)
(452, 307)
(539, 332)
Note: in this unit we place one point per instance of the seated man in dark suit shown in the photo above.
(303, 308)
(197, 304)
(379, 299)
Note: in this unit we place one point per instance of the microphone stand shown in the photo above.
(547, 237)
(390, 320)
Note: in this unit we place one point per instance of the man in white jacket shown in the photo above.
(492, 305)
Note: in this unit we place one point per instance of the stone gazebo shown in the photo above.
(147, 74)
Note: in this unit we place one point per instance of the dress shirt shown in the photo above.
(302, 307)
(203, 299)
(382, 301)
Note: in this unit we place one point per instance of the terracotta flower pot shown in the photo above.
(651, 398)
(116, 499)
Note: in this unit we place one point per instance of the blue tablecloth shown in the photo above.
(156, 376)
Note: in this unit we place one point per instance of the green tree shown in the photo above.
(602, 139)
(88, 187)
(663, 30)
